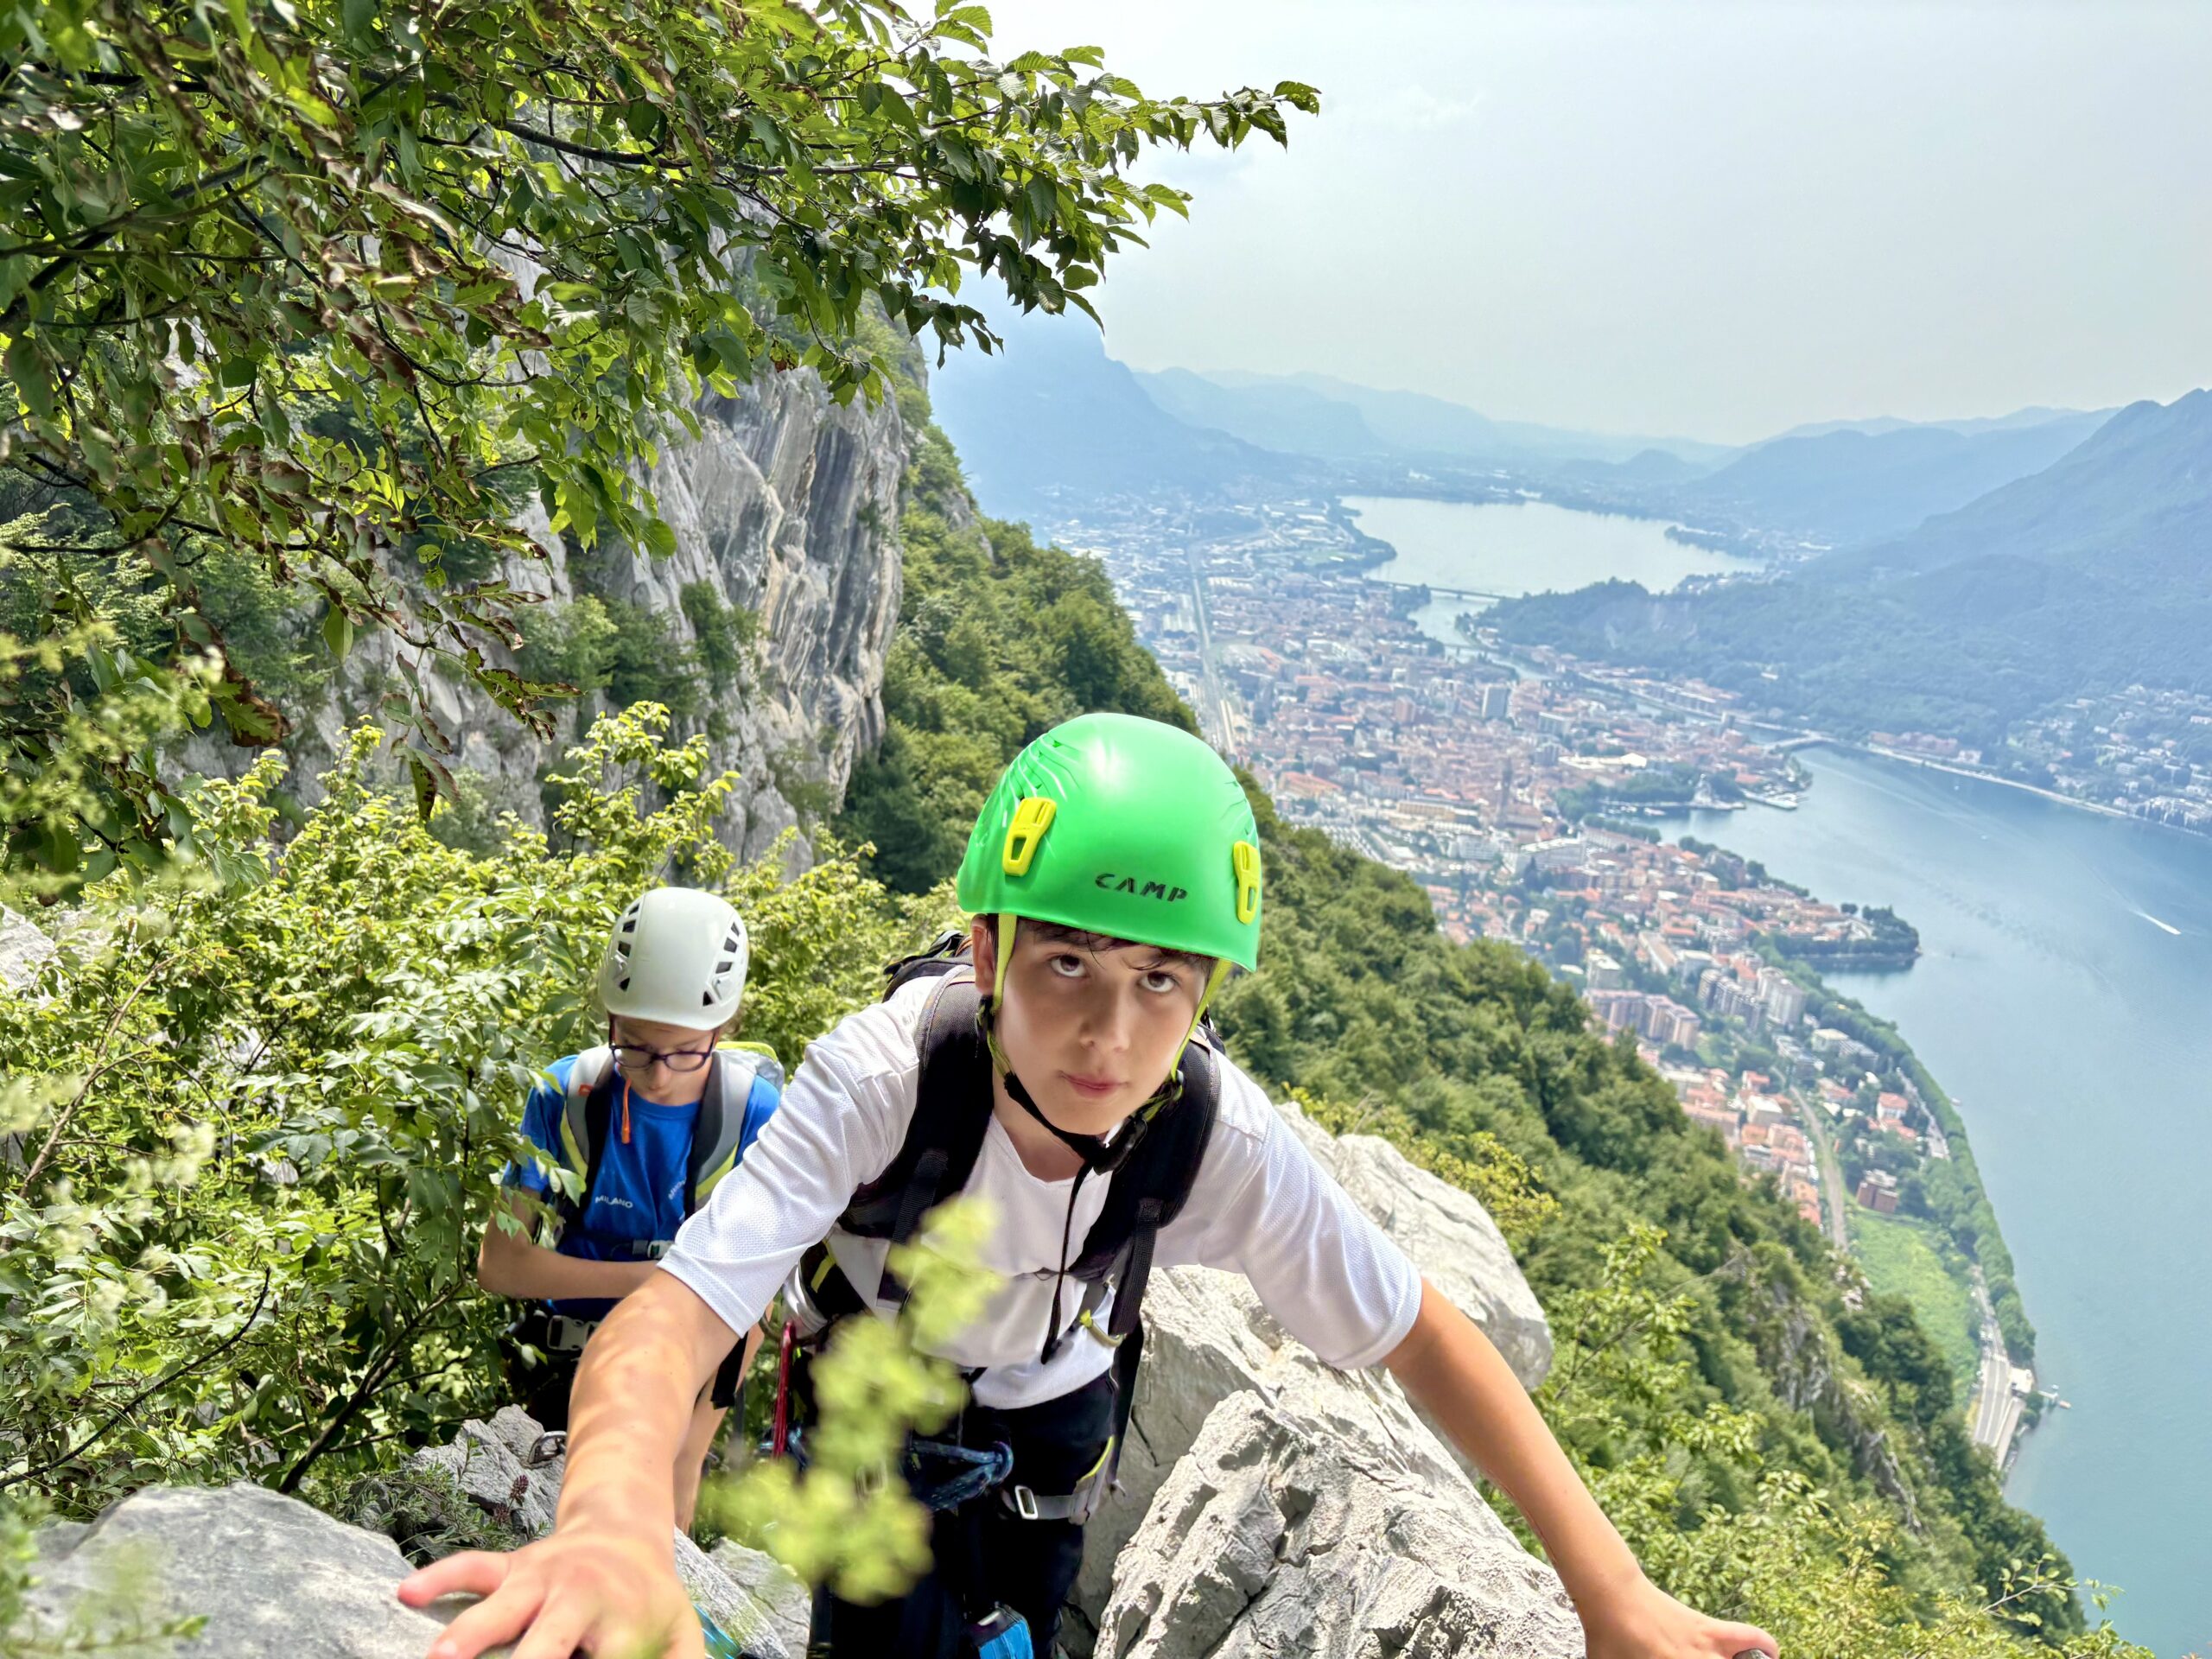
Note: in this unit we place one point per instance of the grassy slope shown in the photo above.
(1902, 1259)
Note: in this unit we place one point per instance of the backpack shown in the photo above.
(743, 1083)
(952, 1112)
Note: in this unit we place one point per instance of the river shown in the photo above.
(1521, 547)
(2065, 999)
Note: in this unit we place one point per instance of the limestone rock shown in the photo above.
(1282, 1534)
(779, 1603)
(1209, 1339)
(786, 507)
(489, 1461)
(275, 1578)
(512, 1468)
(1448, 1235)
(24, 949)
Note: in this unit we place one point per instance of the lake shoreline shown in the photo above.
(1957, 771)
(2053, 998)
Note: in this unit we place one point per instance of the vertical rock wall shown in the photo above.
(787, 508)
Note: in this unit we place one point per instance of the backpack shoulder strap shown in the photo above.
(952, 1112)
(1150, 1190)
(585, 1109)
(725, 1109)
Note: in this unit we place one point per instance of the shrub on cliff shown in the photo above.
(256, 1115)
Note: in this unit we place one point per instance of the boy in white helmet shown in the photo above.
(648, 1124)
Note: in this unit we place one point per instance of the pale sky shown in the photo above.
(1713, 220)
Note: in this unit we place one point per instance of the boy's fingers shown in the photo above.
(1748, 1641)
(500, 1617)
(558, 1631)
(471, 1572)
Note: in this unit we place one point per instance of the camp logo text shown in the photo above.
(1114, 883)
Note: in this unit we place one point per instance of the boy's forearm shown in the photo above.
(1453, 1369)
(641, 1376)
(515, 1267)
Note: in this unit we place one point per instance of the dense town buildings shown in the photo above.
(1512, 791)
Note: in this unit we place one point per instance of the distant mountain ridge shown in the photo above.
(1052, 419)
(2091, 574)
(1411, 424)
(1850, 485)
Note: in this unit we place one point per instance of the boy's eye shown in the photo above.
(1161, 981)
(1067, 967)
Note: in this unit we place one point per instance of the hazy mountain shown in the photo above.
(2036, 415)
(1418, 424)
(2092, 574)
(1851, 486)
(1294, 419)
(1052, 417)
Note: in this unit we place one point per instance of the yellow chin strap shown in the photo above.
(1216, 978)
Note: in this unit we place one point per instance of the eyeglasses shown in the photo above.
(635, 1057)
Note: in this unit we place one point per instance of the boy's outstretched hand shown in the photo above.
(1646, 1623)
(613, 1596)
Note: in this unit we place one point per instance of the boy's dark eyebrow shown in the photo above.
(1082, 939)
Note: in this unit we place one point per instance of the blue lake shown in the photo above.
(1511, 547)
(2065, 998)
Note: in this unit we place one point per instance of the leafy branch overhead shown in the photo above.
(346, 287)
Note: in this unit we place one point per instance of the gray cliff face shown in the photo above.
(786, 508)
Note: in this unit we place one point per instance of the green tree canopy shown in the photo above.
(341, 289)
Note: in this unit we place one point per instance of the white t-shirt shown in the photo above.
(1261, 1207)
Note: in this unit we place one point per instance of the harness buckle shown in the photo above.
(566, 1336)
(1025, 1502)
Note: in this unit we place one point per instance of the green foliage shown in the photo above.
(1903, 1261)
(998, 640)
(82, 792)
(838, 1523)
(725, 634)
(1828, 1571)
(423, 1510)
(262, 1110)
(302, 300)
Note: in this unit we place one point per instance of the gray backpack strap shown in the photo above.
(716, 1135)
(577, 1150)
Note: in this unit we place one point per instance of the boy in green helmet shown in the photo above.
(1115, 879)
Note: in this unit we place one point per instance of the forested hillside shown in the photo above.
(2084, 578)
(1722, 1360)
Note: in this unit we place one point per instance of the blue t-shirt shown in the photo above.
(638, 1194)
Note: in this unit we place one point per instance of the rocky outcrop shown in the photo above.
(1803, 1364)
(273, 1578)
(512, 1470)
(1449, 1237)
(1210, 1342)
(1281, 1532)
(785, 509)
(1271, 1505)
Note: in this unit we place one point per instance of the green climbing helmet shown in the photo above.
(1123, 826)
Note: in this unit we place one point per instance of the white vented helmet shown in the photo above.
(677, 956)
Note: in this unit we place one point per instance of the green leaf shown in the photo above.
(337, 632)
